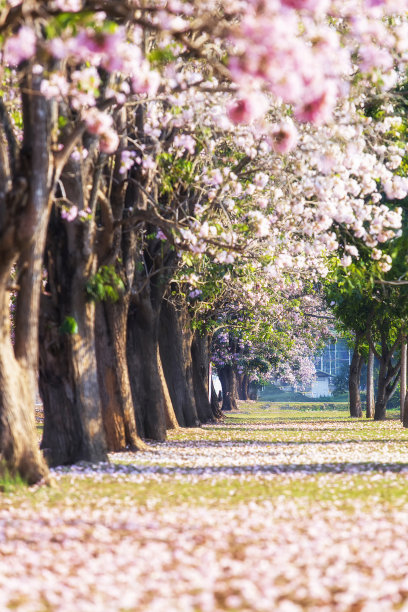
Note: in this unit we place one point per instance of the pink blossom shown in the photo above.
(261, 179)
(96, 121)
(146, 81)
(109, 141)
(69, 214)
(58, 48)
(55, 87)
(262, 202)
(246, 109)
(318, 109)
(20, 47)
(373, 57)
(71, 6)
(127, 160)
(148, 163)
(352, 250)
(316, 6)
(283, 137)
(185, 141)
(99, 42)
(346, 261)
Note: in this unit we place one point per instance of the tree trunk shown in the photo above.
(253, 391)
(24, 210)
(215, 404)
(370, 385)
(143, 364)
(73, 425)
(405, 421)
(200, 351)
(389, 374)
(229, 387)
(19, 448)
(403, 378)
(175, 352)
(117, 252)
(354, 383)
(243, 386)
(113, 377)
(381, 400)
(387, 384)
(169, 414)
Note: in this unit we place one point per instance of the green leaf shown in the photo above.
(105, 285)
(69, 326)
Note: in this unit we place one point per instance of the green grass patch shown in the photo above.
(265, 427)
(367, 489)
(10, 483)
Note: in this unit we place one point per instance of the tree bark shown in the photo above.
(354, 383)
(243, 386)
(200, 351)
(143, 364)
(229, 387)
(175, 352)
(405, 421)
(169, 414)
(389, 374)
(73, 425)
(253, 391)
(387, 384)
(215, 404)
(113, 377)
(19, 448)
(25, 192)
(370, 386)
(117, 251)
(381, 401)
(403, 378)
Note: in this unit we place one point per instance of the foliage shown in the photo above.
(69, 326)
(105, 285)
(341, 381)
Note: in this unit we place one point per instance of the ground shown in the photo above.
(275, 509)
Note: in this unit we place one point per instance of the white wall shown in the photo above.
(320, 387)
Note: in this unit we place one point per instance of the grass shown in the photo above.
(264, 426)
(275, 394)
(10, 483)
(385, 487)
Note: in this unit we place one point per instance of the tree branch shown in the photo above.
(372, 345)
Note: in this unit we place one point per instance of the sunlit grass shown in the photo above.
(11, 483)
(390, 488)
(266, 427)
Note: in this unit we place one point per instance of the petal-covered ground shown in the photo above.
(271, 510)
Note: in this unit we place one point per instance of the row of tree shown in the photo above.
(151, 197)
(373, 315)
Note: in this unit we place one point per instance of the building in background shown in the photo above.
(321, 386)
(331, 362)
(334, 357)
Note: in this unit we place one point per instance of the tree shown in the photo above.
(77, 68)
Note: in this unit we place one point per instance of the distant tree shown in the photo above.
(341, 381)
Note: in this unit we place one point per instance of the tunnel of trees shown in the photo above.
(159, 217)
